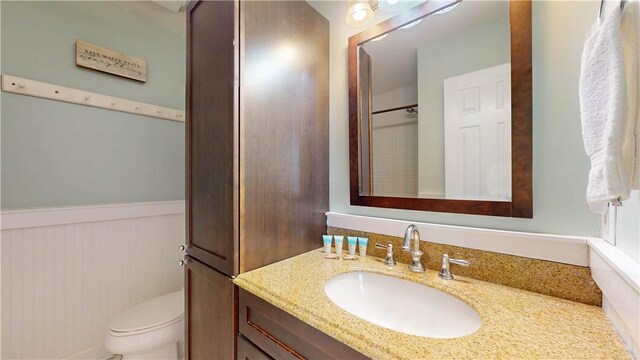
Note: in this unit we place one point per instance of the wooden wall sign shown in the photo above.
(109, 61)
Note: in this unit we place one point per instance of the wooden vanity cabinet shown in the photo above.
(283, 336)
(257, 152)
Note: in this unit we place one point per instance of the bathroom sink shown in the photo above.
(402, 305)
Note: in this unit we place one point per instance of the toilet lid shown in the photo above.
(152, 313)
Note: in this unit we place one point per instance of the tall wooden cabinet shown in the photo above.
(257, 152)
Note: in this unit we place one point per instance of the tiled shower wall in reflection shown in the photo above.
(395, 154)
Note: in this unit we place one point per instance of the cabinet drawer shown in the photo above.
(283, 336)
(248, 351)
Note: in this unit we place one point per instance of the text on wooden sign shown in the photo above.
(109, 61)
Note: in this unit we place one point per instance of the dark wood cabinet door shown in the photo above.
(257, 152)
(212, 134)
(284, 123)
(211, 313)
(248, 351)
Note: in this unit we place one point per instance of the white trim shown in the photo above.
(558, 248)
(22, 86)
(618, 276)
(95, 353)
(19, 219)
(618, 261)
(621, 328)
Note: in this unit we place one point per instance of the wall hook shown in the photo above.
(22, 86)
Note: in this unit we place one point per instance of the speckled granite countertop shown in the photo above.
(515, 323)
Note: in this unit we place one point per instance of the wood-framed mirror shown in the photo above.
(440, 110)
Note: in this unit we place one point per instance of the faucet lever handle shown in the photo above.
(460, 262)
(444, 272)
(389, 261)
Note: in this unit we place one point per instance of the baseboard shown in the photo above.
(95, 353)
(28, 218)
(617, 322)
(571, 250)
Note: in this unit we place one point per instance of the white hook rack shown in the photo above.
(17, 85)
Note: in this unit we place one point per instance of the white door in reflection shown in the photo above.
(477, 130)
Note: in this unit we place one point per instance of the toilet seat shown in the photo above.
(143, 331)
(133, 346)
(149, 316)
(151, 330)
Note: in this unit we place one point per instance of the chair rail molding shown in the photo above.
(29, 218)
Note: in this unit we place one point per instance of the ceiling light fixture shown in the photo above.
(394, 5)
(359, 13)
(390, 5)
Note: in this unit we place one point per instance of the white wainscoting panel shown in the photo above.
(63, 282)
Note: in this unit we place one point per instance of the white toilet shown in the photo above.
(151, 330)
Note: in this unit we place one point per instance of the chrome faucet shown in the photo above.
(416, 253)
(444, 272)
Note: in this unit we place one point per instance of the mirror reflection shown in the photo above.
(435, 106)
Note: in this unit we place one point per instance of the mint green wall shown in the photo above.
(60, 154)
(480, 47)
(560, 164)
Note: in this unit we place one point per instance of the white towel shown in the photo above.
(630, 33)
(603, 111)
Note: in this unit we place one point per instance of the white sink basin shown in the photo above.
(402, 305)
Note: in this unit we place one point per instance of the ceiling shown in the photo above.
(161, 13)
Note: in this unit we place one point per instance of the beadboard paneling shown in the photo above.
(61, 284)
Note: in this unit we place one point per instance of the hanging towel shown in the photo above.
(630, 33)
(603, 110)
